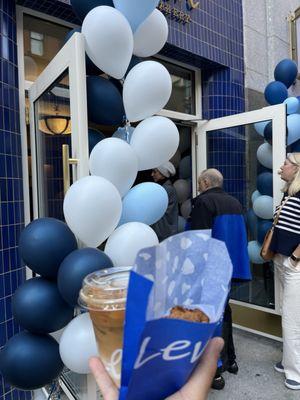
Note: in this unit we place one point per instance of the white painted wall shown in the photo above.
(266, 38)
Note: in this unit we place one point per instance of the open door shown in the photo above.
(58, 128)
(59, 153)
(230, 144)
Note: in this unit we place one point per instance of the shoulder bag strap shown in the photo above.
(279, 211)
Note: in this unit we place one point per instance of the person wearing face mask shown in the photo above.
(286, 246)
(168, 224)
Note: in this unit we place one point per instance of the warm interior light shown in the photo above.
(55, 124)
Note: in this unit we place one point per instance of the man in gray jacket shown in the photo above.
(168, 224)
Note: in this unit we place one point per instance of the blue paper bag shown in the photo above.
(159, 354)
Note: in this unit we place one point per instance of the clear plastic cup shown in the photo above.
(103, 294)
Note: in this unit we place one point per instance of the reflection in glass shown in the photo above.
(183, 84)
(234, 152)
(42, 41)
(53, 129)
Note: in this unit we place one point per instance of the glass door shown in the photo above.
(58, 116)
(59, 153)
(231, 144)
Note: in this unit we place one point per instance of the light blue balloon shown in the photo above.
(146, 202)
(260, 127)
(293, 125)
(254, 252)
(263, 207)
(292, 105)
(124, 133)
(136, 11)
(255, 195)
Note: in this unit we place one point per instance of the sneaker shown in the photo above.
(218, 383)
(289, 383)
(233, 368)
(279, 367)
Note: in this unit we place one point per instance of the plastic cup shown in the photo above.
(103, 294)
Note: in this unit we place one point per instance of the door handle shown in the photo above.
(67, 161)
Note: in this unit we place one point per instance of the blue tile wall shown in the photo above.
(212, 41)
(12, 272)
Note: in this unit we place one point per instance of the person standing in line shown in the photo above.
(286, 244)
(215, 209)
(168, 224)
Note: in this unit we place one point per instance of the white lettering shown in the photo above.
(197, 352)
(176, 346)
(139, 361)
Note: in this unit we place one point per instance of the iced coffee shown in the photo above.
(103, 294)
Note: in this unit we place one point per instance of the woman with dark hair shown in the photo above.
(286, 244)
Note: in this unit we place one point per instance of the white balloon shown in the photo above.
(78, 344)
(115, 160)
(151, 35)
(186, 208)
(108, 40)
(183, 190)
(57, 334)
(127, 240)
(92, 209)
(263, 207)
(147, 89)
(154, 140)
(265, 155)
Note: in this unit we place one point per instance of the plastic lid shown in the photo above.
(104, 289)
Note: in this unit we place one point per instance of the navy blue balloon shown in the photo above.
(91, 68)
(251, 220)
(133, 62)
(82, 7)
(264, 183)
(105, 105)
(276, 92)
(268, 132)
(263, 225)
(261, 168)
(44, 243)
(39, 308)
(295, 147)
(75, 267)
(286, 72)
(29, 361)
(94, 138)
(117, 84)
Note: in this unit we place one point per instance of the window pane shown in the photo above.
(42, 41)
(234, 152)
(37, 47)
(183, 89)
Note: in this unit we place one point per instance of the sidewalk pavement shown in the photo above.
(257, 379)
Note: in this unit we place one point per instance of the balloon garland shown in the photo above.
(276, 92)
(101, 206)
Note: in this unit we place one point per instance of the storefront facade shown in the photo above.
(205, 57)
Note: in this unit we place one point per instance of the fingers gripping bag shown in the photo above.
(176, 296)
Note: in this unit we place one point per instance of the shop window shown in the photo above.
(294, 19)
(37, 43)
(183, 89)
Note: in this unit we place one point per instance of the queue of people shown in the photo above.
(216, 210)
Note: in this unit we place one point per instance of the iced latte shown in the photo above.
(103, 294)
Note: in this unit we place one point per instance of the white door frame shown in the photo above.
(71, 57)
(276, 114)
